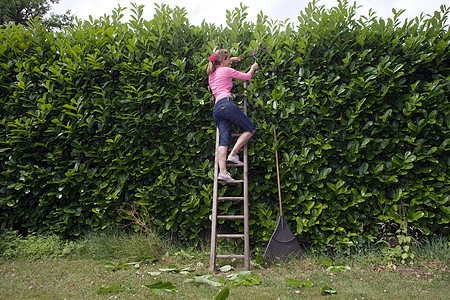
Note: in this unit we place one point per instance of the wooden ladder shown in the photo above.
(244, 198)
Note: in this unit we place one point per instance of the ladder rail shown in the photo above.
(212, 261)
(246, 212)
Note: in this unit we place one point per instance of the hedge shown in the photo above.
(111, 113)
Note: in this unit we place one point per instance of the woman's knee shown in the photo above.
(250, 132)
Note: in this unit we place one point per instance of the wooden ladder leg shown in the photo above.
(213, 255)
(246, 212)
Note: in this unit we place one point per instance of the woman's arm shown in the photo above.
(243, 76)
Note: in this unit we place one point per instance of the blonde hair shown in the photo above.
(221, 55)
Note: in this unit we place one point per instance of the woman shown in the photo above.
(225, 111)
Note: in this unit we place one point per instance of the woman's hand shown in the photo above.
(254, 67)
(235, 59)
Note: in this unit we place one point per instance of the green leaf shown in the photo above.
(299, 284)
(171, 268)
(207, 279)
(386, 115)
(244, 277)
(161, 287)
(224, 293)
(417, 215)
(154, 273)
(71, 107)
(410, 159)
(326, 290)
(378, 168)
(324, 173)
(338, 267)
(113, 288)
(326, 261)
(226, 268)
(113, 267)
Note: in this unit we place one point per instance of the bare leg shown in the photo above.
(222, 154)
(242, 140)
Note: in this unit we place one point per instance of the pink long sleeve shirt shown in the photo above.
(221, 81)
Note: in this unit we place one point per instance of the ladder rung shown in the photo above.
(230, 256)
(234, 182)
(230, 198)
(231, 236)
(236, 134)
(230, 217)
(235, 165)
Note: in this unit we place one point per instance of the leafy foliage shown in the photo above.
(22, 11)
(400, 249)
(106, 114)
(33, 246)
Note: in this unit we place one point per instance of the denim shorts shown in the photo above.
(226, 113)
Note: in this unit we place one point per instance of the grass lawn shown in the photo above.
(82, 274)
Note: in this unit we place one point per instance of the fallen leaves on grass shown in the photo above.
(299, 284)
(161, 287)
(206, 279)
(113, 288)
(112, 267)
(326, 290)
(244, 277)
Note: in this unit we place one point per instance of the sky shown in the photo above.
(215, 11)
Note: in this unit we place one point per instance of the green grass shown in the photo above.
(82, 273)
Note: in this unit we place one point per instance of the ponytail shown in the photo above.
(216, 59)
(211, 68)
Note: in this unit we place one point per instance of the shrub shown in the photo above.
(107, 113)
(33, 246)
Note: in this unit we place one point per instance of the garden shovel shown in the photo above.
(283, 244)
